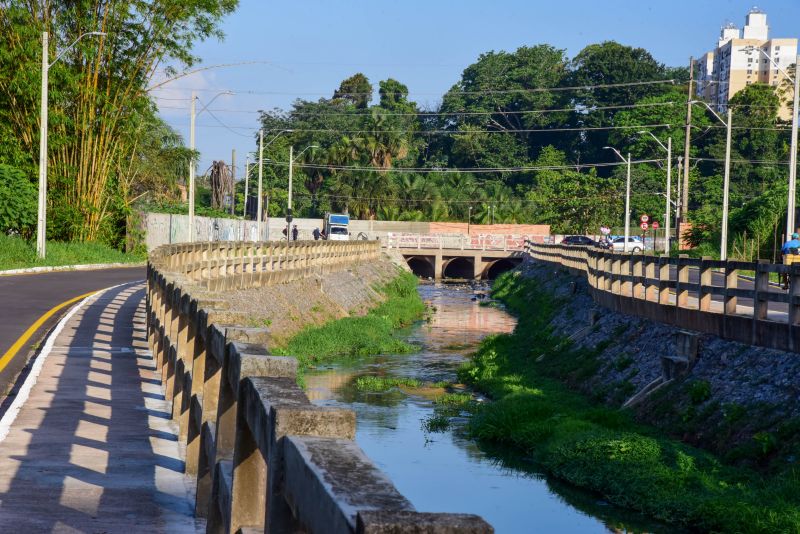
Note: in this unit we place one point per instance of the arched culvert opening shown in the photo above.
(459, 268)
(421, 267)
(500, 266)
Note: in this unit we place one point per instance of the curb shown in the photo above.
(57, 268)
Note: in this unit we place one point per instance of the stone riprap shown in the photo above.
(750, 389)
(263, 456)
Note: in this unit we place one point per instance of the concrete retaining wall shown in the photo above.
(265, 458)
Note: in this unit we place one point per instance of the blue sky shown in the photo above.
(304, 48)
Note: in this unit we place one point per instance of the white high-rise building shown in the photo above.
(733, 64)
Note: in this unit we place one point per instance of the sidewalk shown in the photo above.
(93, 448)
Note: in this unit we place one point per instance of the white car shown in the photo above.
(635, 244)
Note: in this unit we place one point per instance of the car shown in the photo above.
(578, 241)
(635, 244)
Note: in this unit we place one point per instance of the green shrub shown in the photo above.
(17, 202)
(699, 391)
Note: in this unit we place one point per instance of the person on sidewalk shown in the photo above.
(295, 231)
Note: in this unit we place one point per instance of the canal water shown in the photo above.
(447, 471)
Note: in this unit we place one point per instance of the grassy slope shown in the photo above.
(360, 336)
(602, 448)
(16, 253)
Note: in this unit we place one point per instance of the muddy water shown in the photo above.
(446, 471)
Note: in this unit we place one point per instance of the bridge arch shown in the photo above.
(459, 267)
(498, 267)
(422, 266)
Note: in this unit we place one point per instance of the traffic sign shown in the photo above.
(644, 218)
(643, 226)
(655, 225)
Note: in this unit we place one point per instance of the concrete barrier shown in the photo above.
(265, 458)
(642, 285)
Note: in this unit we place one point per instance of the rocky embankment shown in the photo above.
(740, 401)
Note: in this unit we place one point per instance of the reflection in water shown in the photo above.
(446, 472)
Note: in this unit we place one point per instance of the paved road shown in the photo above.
(27, 297)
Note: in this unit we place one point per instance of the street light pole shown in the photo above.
(723, 247)
(627, 195)
(41, 222)
(191, 167)
(246, 184)
(291, 172)
(667, 216)
(790, 208)
(41, 216)
(260, 206)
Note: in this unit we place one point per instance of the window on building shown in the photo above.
(777, 48)
(749, 72)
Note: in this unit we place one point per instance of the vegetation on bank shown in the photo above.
(17, 253)
(602, 448)
(373, 333)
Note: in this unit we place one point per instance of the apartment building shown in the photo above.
(736, 62)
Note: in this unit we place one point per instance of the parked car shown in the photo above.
(635, 244)
(578, 241)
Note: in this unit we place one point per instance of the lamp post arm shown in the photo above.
(73, 44)
(709, 109)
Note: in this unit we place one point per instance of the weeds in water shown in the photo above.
(378, 384)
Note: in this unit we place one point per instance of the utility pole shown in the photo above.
(246, 184)
(790, 223)
(683, 206)
(233, 179)
(259, 214)
(191, 168)
(669, 199)
(723, 247)
(678, 199)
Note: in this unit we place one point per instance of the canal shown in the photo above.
(446, 471)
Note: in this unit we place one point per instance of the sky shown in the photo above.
(305, 48)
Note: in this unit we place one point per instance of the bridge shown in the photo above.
(157, 405)
(458, 256)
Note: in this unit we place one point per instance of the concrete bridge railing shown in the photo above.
(265, 458)
(696, 294)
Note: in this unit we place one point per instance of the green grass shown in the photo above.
(373, 333)
(379, 384)
(16, 253)
(603, 449)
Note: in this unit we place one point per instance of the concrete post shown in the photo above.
(663, 280)
(760, 299)
(681, 289)
(731, 282)
(705, 284)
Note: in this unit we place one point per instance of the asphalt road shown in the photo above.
(27, 297)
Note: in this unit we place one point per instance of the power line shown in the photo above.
(369, 113)
(452, 132)
(472, 170)
(481, 92)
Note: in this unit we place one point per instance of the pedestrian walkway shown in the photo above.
(93, 448)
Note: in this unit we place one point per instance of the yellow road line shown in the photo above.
(12, 351)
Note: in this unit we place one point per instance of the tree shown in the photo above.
(98, 88)
(355, 90)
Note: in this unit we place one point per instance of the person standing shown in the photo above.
(315, 233)
(295, 231)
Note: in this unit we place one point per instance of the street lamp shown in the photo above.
(627, 195)
(668, 148)
(469, 219)
(261, 145)
(723, 247)
(41, 221)
(790, 226)
(291, 166)
(192, 162)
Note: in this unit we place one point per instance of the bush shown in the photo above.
(17, 202)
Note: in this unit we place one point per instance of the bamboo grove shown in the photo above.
(104, 134)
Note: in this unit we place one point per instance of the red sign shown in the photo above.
(644, 218)
(655, 225)
(643, 226)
